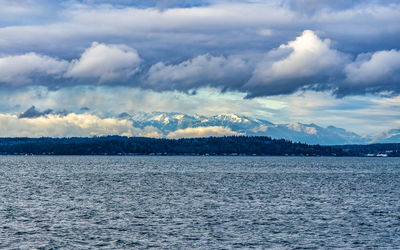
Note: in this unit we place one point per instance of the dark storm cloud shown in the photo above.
(256, 47)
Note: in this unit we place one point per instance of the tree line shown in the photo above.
(228, 145)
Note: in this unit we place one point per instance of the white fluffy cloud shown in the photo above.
(63, 126)
(305, 61)
(379, 71)
(105, 63)
(199, 132)
(22, 69)
(101, 62)
(309, 56)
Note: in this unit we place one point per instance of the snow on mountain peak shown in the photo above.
(232, 118)
(180, 116)
(308, 129)
(167, 123)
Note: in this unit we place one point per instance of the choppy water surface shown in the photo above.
(199, 202)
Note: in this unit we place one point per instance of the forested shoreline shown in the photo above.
(229, 145)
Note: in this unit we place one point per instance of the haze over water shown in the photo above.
(199, 202)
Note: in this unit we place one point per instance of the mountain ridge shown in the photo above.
(168, 122)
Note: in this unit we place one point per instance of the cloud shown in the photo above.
(113, 100)
(47, 58)
(362, 114)
(265, 32)
(201, 25)
(306, 61)
(201, 132)
(161, 4)
(63, 126)
(193, 44)
(36, 124)
(105, 63)
(165, 4)
(373, 72)
(201, 71)
(148, 29)
(24, 69)
(24, 11)
(310, 7)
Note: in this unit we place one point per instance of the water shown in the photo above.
(199, 202)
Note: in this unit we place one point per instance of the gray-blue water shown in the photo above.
(199, 202)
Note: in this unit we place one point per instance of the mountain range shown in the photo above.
(173, 125)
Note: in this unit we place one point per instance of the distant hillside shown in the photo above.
(167, 123)
(232, 145)
(391, 136)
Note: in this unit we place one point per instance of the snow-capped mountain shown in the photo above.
(167, 123)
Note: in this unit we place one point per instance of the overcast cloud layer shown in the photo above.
(306, 62)
(256, 47)
(164, 52)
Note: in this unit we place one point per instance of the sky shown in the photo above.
(82, 63)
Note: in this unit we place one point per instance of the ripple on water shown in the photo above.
(199, 202)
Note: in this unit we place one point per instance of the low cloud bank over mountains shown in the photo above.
(35, 123)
